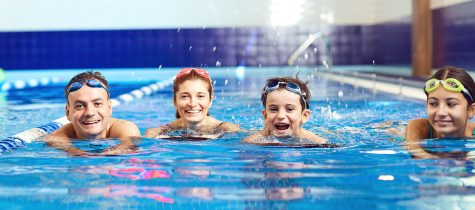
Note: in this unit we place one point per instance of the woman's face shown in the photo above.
(192, 100)
(448, 112)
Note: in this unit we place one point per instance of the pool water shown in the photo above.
(371, 169)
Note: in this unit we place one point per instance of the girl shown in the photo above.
(286, 109)
(449, 106)
(192, 98)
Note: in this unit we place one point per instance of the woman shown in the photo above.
(450, 106)
(192, 98)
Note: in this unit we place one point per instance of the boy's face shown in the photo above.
(283, 113)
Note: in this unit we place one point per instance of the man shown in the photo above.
(89, 109)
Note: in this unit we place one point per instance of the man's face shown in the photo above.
(89, 110)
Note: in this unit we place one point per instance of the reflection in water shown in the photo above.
(158, 193)
(138, 173)
(449, 172)
(278, 184)
(203, 193)
(440, 149)
(284, 193)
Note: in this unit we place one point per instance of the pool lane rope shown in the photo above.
(31, 83)
(28, 136)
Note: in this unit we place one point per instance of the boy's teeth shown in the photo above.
(282, 126)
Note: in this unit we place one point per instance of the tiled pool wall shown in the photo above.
(386, 43)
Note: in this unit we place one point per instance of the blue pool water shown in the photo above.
(372, 169)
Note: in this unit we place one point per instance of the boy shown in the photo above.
(286, 109)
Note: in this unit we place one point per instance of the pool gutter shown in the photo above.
(393, 85)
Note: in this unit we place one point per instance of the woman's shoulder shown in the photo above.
(221, 125)
(154, 132)
(229, 127)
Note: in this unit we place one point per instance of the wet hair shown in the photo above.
(458, 74)
(303, 87)
(87, 75)
(193, 75)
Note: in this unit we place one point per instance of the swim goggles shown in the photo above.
(186, 71)
(91, 83)
(290, 86)
(449, 84)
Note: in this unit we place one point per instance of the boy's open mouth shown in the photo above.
(282, 126)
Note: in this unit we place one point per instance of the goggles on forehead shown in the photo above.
(449, 84)
(186, 71)
(290, 86)
(91, 83)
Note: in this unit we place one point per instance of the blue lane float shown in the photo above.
(25, 137)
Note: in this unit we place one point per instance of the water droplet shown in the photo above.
(225, 82)
(340, 93)
(160, 67)
(325, 64)
(315, 50)
(214, 48)
(305, 56)
(178, 30)
(374, 62)
(218, 64)
(190, 48)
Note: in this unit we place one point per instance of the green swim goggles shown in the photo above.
(449, 84)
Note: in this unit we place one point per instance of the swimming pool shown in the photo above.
(371, 170)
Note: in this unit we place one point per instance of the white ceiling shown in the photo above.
(21, 15)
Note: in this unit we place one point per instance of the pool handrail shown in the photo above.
(328, 62)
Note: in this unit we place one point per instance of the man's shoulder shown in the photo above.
(66, 131)
(120, 122)
(122, 128)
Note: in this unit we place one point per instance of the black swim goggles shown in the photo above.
(290, 86)
(91, 83)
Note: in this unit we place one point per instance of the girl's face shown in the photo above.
(448, 112)
(193, 100)
(283, 113)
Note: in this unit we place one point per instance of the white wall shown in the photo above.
(444, 3)
(41, 15)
